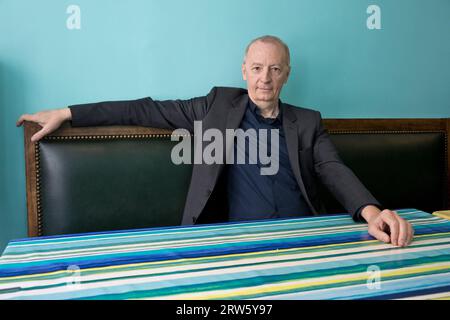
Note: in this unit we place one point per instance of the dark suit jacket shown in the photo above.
(312, 155)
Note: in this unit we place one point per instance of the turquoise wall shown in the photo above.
(179, 49)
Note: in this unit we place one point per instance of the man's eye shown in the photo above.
(256, 68)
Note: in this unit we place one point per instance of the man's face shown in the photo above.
(266, 71)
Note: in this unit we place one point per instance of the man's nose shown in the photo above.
(265, 76)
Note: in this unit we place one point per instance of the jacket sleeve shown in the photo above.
(167, 114)
(337, 177)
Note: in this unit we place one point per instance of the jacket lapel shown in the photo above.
(290, 124)
(234, 119)
(236, 113)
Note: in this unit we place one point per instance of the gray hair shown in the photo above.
(270, 39)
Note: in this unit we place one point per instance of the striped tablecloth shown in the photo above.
(328, 257)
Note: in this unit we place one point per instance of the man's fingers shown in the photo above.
(39, 135)
(380, 235)
(25, 117)
(410, 233)
(390, 219)
(403, 232)
(20, 120)
(400, 231)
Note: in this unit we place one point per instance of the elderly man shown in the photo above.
(306, 154)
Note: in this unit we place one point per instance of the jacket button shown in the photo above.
(194, 219)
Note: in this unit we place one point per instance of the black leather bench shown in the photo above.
(109, 178)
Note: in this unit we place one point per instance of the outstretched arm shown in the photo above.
(169, 114)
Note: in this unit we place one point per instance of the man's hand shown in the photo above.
(388, 226)
(48, 120)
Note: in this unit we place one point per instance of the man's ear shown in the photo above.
(287, 76)
(244, 74)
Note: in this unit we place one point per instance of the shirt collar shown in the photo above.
(254, 108)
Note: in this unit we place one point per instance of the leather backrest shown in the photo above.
(110, 184)
(401, 169)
